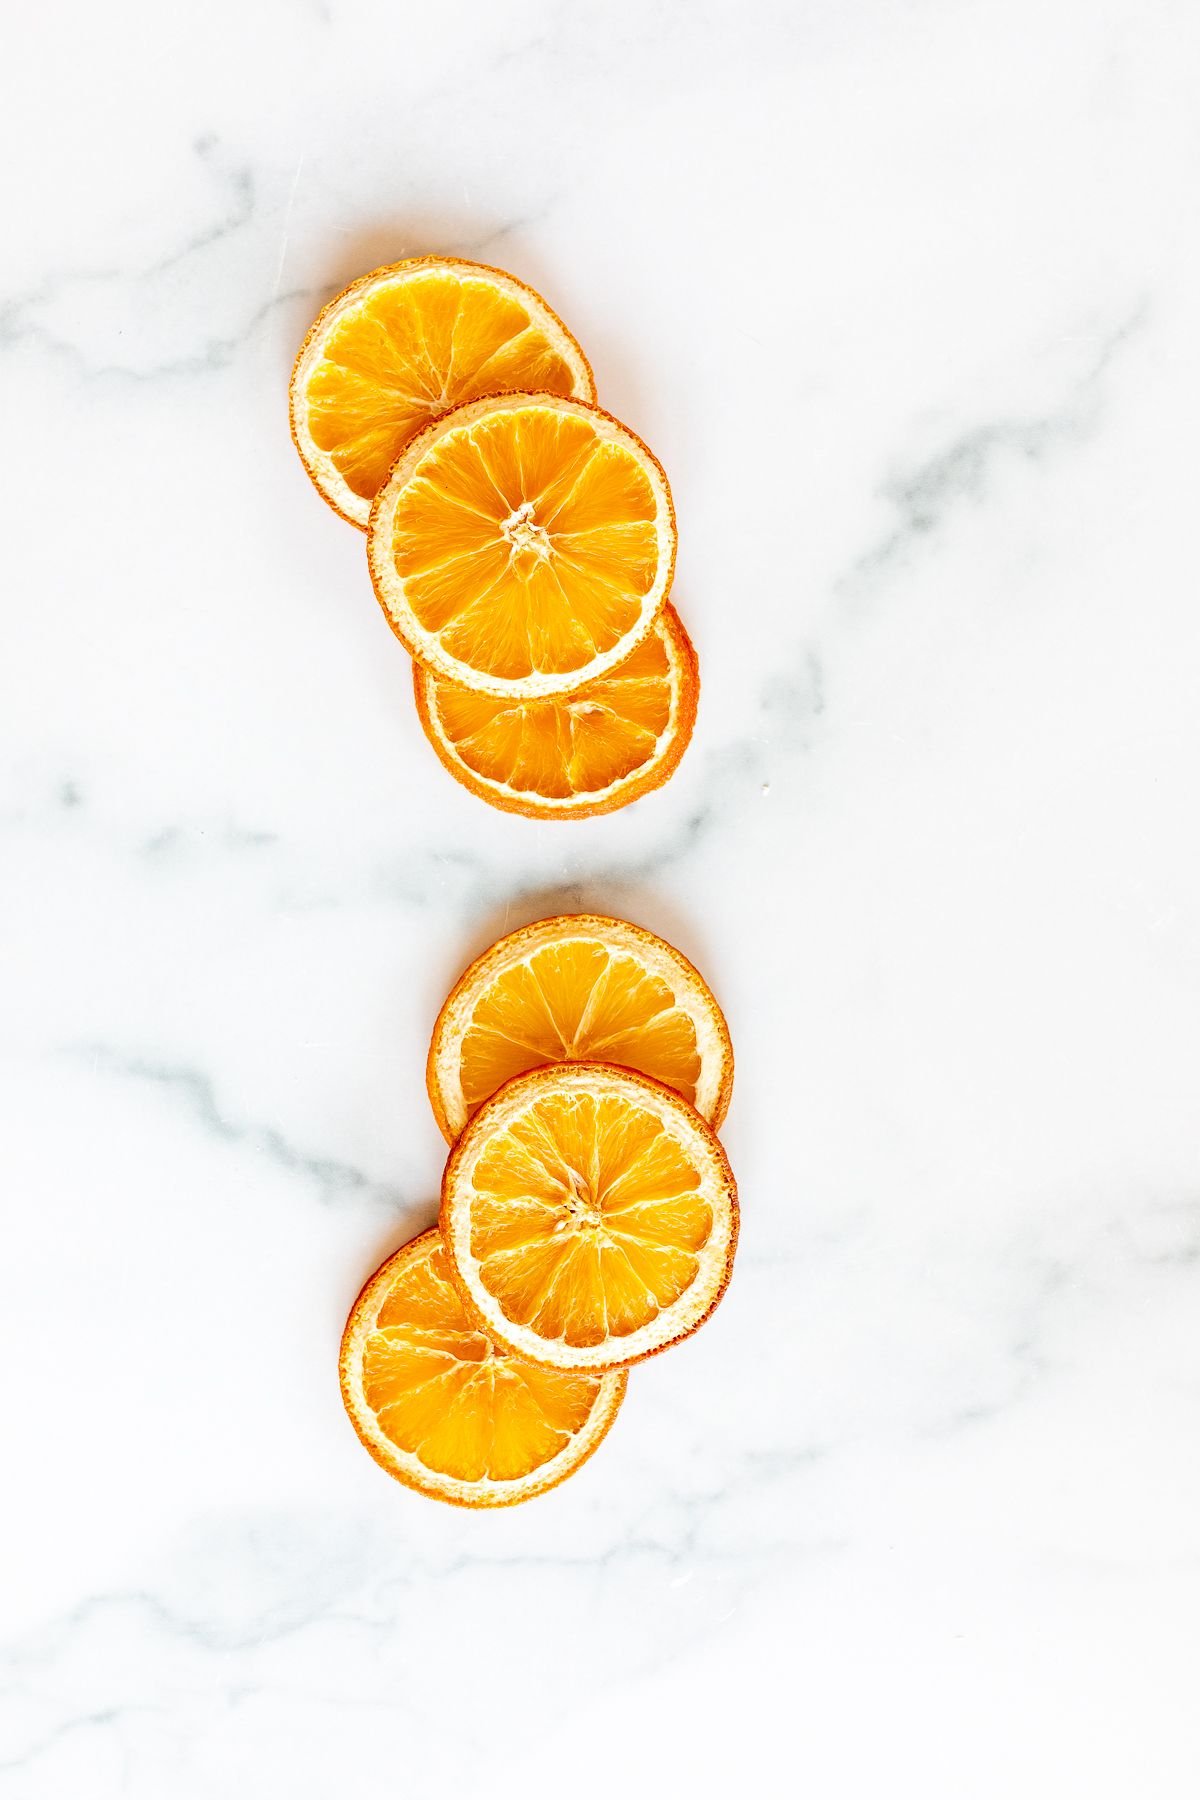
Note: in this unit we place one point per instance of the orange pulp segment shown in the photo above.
(445, 1410)
(523, 544)
(590, 1216)
(406, 343)
(579, 988)
(575, 755)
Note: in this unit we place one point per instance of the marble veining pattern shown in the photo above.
(904, 297)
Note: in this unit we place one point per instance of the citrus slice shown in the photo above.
(580, 988)
(523, 544)
(447, 1411)
(575, 755)
(590, 1216)
(406, 343)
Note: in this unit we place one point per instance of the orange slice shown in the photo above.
(523, 544)
(444, 1409)
(579, 988)
(590, 1217)
(576, 755)
(406, 343)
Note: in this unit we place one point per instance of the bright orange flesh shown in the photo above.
(526, 545)
(444, 1407)
(587, 1220)
(601, 746)
(577, 1002)
(578, 989)
(523, 545)
(589, 1215)
(408, 343)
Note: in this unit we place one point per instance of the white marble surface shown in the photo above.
(905, 297)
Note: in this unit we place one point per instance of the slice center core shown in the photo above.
(529, 542)
(583, 1211)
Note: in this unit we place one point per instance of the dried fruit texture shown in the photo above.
(590, 1217)
(574, 755)
(523, 545)
(402, 346)
(578, 988)
(444, 1409)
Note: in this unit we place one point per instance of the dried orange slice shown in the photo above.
(575, 755)
(406, 343)
(523, 544)
(580, 988)
(444, 1409)
(590, 1217)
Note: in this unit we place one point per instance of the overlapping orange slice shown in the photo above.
(578, 988)
(523, 544)
(444, 1408)
(405, 344)
(575, 755)
(590, 1217)
(521, 541)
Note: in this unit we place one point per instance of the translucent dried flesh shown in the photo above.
(587, 1217)
(411, 350)
(571, 746)
(577, 1001)
(441, 1391)
(527, 542)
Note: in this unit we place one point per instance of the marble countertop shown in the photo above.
(904, 296)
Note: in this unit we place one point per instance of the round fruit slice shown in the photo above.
(403, 345)
(590, 1217)
(444, 1409)
(523, 544)
(580, 988)
(575, 755)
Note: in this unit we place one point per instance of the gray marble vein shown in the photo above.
(335, 1182)
(903, 297)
